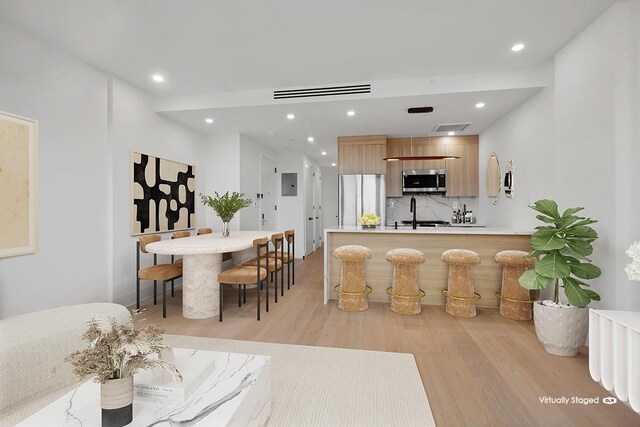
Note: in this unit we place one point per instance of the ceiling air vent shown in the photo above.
(420, 110)
(321, 91)
(451, 127)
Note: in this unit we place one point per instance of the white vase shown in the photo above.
(562, 330)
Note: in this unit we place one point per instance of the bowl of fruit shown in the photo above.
(369, 220)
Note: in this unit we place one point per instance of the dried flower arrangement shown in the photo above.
(118, 350)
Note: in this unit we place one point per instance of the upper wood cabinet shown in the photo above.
(394, 171)
(362, 154)
(462, 174)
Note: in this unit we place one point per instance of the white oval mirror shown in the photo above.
(494, 178)
(508, 179)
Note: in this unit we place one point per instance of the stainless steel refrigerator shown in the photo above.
(358, 195)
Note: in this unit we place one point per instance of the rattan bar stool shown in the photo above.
(515, 301)
(461, 298)
(352, 289)
(405, 293)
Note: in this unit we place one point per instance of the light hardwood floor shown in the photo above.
(482, 371)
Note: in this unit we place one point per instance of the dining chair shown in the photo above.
(204, 231)
(272, 265)
(244, 275)
(288, 257)
(155, 272)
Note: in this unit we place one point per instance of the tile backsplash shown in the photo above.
(429, 207)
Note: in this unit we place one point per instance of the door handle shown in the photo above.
(310, 219)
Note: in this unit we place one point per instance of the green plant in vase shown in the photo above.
(563, 246)
(226, 206)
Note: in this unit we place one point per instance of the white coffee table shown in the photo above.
(238, 393)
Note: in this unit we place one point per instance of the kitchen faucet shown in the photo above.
(413, 210)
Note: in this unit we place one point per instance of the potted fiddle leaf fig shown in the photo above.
(562, 247)
(226, 206)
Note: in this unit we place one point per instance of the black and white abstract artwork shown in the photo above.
(163, 195)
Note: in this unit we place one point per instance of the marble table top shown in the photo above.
(204, 244)
(431, 230)
(237, 393)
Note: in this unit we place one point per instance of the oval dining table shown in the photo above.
(202, 262)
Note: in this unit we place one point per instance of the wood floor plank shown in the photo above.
(482, 371)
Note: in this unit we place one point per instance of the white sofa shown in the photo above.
(33, 345)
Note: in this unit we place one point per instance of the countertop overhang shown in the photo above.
(432, 230)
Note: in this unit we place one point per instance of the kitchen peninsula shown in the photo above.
(433, 274)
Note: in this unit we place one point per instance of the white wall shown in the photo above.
(251, 153)
(69, 100)
(135, 127)
(329, 198)
(223, 162)
(291, 209)
(576, 142)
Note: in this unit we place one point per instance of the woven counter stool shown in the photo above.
(353, 289)
(461, 298)
(405, 294)
(515, 301)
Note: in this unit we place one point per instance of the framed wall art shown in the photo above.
(18, 185)
(162, 195)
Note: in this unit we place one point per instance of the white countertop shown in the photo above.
(204, 244)
(431, 230)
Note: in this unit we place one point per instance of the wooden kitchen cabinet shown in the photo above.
(462, 174)
(372, 155)
(394, 171)
(362, 154)
(349, 159)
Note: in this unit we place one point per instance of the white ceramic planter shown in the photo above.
(562, 331)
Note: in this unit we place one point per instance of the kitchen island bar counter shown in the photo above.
(432, 241)
(457, 229)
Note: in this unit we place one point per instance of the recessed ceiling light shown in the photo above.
(480, 105)
(324, 153)
(517, 47)
(351, 113)
(208, 120)
(157, 78)
(333, 164)
(291, 116)
(310, 139)
(451, 133)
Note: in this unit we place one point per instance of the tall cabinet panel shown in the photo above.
(394, 171)
(462, 174)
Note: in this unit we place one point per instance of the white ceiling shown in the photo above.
(215, 45)
(325, 121)
(207, 46)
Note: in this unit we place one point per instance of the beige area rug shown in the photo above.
(314, 386)
(321, 386)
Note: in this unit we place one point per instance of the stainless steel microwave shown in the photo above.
(424, 181)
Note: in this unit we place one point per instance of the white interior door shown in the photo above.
(317, 202)
(309, 214)
(268, 193)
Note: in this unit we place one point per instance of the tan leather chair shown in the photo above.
(243, 275)
(178, 235)
(288, 257)
(164, 272)
(272, 265)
